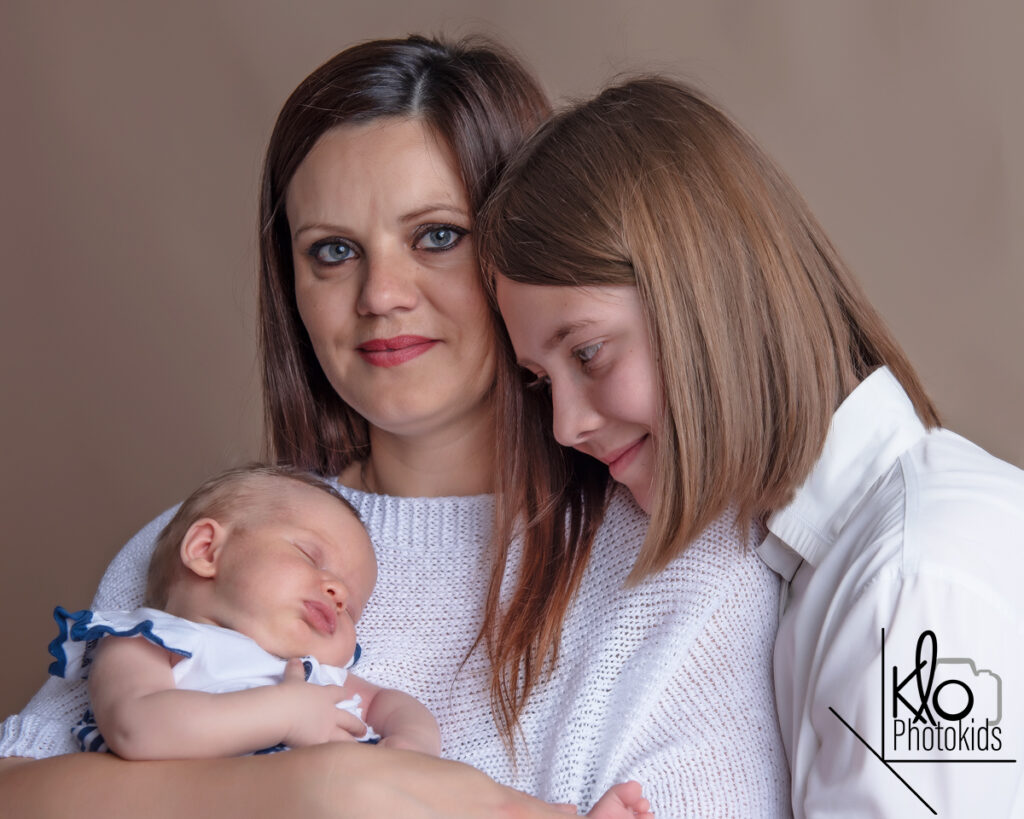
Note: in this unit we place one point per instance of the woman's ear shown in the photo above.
(201, 547)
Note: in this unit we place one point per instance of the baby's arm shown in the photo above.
(142, 715)
(625, 801)
(400, 719)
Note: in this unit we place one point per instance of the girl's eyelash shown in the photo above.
(585, 354)
(534, 382)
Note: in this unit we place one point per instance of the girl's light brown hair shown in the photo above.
(758, 329)
(484, 104)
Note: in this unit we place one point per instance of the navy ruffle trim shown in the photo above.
(77, 627)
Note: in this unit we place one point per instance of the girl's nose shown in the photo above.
(573, 417)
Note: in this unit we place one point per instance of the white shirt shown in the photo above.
(913, 532)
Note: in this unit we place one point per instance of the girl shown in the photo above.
(691, 327)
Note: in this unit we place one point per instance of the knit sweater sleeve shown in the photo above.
(668, 682)
(43, 728)
(710, 745)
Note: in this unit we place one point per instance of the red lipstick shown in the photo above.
(390, 352)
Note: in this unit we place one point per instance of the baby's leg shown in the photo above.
(625, 801)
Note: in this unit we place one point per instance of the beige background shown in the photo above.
(130, 147)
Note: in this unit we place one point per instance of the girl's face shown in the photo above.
(589, 347)
(386, 277)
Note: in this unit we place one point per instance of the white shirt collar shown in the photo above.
(869, 431)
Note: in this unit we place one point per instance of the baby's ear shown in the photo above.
(201, 546)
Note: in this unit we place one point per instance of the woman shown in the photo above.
(688, 322)
(379, 368)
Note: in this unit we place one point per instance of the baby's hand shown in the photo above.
(426, 744)
(624, 801)
(309, 711)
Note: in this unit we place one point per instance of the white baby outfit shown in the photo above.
(215, 660)
(668, 682)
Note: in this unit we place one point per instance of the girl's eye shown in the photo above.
(440, 237)
(534, 382)
(331, 251)
(586, 354)
(305, 553)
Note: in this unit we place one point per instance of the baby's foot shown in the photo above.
(625, 801)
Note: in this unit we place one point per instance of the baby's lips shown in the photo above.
(320, 617)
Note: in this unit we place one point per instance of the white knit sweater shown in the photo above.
(668, 683)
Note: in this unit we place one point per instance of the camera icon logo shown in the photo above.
(946, 705)
(963, 690)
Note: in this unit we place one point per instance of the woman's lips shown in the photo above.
(622, 459)
(320, 617)
(390, 352)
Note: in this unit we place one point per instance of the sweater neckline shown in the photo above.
(370, 497)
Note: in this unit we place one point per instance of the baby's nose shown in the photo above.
(333, 588)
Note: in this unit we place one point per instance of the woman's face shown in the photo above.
(386, 277)
(589, 347)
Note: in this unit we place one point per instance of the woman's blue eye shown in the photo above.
(331, 252)
(442, 237)
(585, 354)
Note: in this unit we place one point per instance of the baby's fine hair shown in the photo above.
(221, 497)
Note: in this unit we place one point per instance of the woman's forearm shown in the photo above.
(105, 785)
(332, 781)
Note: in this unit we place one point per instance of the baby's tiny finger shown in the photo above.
(350, 723)
(294, 671)
(339, 734)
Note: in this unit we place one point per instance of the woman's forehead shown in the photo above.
(396, 163)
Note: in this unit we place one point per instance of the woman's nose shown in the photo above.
(573, 417)
(389, 284)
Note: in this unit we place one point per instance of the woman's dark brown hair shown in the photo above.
(757, 328)
(484, 104)
(477, 98)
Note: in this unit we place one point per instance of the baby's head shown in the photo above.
(272, 552)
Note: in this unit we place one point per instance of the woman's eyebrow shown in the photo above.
(318, 226)
(434, 208)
